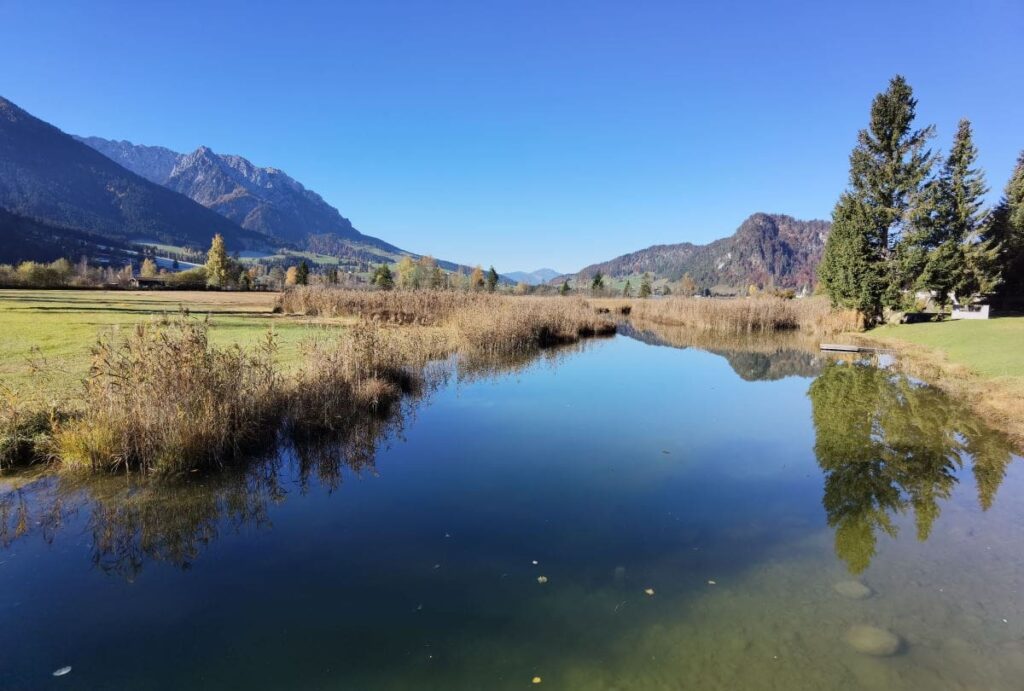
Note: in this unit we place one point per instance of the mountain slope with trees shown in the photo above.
(48, 176)
(766, 250)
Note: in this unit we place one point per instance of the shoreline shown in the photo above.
(999, 401)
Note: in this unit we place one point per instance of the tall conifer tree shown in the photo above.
(888, 170)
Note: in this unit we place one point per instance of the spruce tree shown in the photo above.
(627, 290)
(383, 278)
(850, 268)
(1005, 232)
(956, 258)
(889, 169)
(597, 284)
(302, 274)
(564, 290)
(645, 286)
(492, 280)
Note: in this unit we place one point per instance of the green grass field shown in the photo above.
(60, 326)
(993, 348)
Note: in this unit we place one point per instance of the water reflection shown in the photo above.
(753, 357)
(132, 520)
(889, 445)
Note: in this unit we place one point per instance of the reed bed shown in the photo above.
(477, 322)
(754, 315)
(162, 398)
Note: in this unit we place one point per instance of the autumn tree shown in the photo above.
(217, 263)
(688, 285)
(476, 278)
(148, 268)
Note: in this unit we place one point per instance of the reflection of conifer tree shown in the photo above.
(887, 445)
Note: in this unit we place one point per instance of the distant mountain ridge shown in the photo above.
(767, 249)
(533, 278)
(49, 177)
(262, 199)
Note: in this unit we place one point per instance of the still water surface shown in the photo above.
(739, 483)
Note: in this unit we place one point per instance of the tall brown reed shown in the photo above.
(161, 398)
(748, 315)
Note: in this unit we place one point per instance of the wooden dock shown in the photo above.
(848, 348)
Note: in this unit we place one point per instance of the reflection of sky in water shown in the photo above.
(618, 468)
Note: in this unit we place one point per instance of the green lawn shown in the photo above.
(61, 325)
(992, 348)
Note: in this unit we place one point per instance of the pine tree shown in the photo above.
(957, 259)
(645, 286)
(564, 290)
(597, 284)
(889, 169)
(382, 278)
(1005, 232)
(302, 274)
(492, 280)
(849, 268)
(627, 290)
(217, 263)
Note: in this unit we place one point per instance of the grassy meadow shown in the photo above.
(60, 326)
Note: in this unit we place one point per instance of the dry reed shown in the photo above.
(757, 315)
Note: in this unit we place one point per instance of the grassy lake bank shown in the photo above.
(980, 361)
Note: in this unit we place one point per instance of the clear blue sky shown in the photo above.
(525, 134)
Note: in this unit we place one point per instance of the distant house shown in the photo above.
(147, 282)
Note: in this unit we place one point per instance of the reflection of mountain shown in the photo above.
(889, 446)
(753, 357)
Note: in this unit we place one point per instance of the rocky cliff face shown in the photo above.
(264, 200)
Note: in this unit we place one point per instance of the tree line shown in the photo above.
(911, 220)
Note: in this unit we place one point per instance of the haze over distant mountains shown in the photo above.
(766, 250)
(533, 278)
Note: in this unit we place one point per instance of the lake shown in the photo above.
(647, 511)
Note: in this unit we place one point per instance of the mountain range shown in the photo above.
(61, 193)
(766, 250)
(533, 278)
(264, 200)
(48, 177)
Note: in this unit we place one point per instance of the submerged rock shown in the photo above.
(871, 640)
(855, 590)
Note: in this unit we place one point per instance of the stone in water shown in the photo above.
(871, 640)
(855, 590)
(62, 671)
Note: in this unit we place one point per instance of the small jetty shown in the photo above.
(848, 348)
